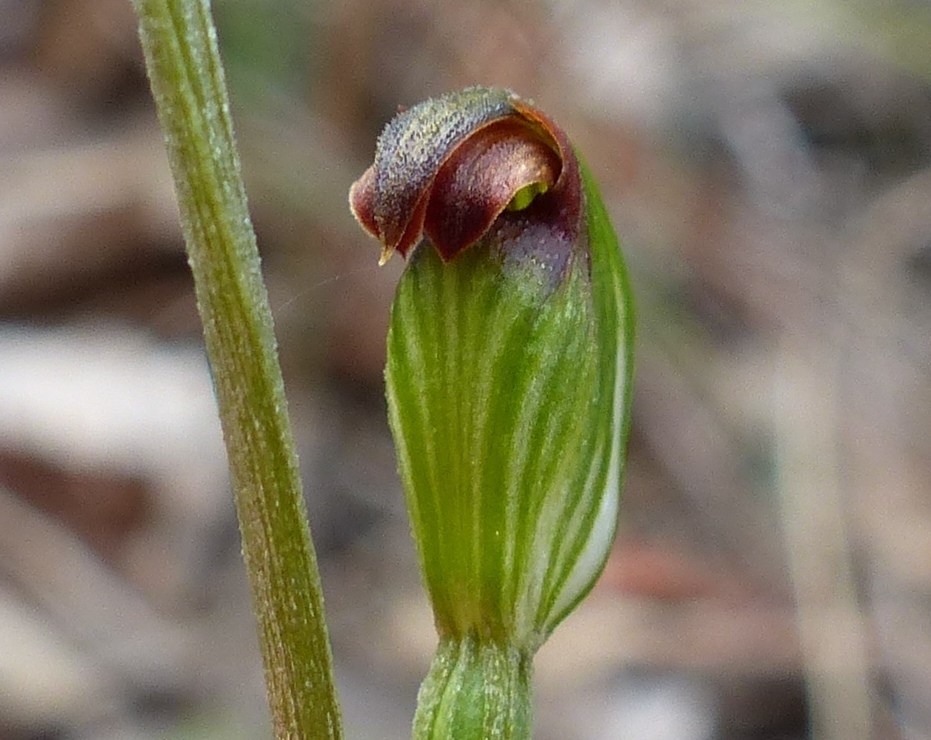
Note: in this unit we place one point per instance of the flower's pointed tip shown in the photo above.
(385, 255)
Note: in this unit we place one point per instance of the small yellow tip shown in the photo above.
(386, 253)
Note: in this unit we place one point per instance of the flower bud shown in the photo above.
(509, 360)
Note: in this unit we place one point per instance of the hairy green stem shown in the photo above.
(182, 58)
(476, 690)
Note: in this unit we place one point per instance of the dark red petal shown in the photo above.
(479, 179)
(449, 167)
(410, 150)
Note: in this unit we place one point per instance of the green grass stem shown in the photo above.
(183, 62)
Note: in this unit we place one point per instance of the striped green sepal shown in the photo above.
(507, 417)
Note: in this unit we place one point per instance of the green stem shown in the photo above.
(180, 46)
(476, 691)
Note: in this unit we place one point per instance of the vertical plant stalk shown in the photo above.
(182, 58)
(476, 689)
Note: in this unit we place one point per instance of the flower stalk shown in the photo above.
(476, 689)
(183, 63)
(508, 382)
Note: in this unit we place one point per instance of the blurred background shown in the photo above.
(768, 167)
